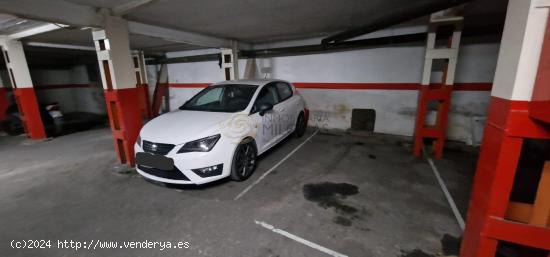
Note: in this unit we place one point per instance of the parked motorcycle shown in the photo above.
(51, 116)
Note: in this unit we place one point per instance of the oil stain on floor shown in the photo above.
(330, 195)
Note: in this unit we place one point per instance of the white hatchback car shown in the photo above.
(219, 132)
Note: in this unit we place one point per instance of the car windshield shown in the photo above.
(221, 98)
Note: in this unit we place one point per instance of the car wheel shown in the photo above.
(244, 160)
(300, 128)
(12, 126)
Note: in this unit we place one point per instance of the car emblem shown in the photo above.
(154, 146)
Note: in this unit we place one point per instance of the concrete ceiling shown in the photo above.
(251, 21)
(266, 20)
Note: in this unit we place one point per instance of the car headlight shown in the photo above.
(201, 145)
(138, 140)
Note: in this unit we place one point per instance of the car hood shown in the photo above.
(179, 127)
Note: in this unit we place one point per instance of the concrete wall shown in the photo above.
(331, 108)
(71, 88)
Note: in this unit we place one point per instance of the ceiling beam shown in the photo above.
(406, 13)
(129, 7)
(178, 36)
(59, 11)
(62, 46)
(36, 30)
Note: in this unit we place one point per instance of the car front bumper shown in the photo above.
(185, 163)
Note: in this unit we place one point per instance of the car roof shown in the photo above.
(259, 82)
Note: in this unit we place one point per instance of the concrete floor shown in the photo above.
(358, 196)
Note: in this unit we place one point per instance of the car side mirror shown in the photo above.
(264, 108)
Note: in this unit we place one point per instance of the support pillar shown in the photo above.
(142, 83)
(161, 90)
(251, 69)
(492, 217)
(230, 62)
(438, 95)
(120, 86)
(539, 108)
(23, 90)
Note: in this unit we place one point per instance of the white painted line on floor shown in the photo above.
(446, 192)
(274, 167)
(299, 239)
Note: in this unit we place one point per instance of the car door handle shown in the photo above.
(282, 109)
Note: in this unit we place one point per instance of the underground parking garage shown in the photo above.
(275, 128)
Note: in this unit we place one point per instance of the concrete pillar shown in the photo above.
(230, 62)
(161, 91)
(508, 124)
(120, 85)
(442, 96)
(138, 60)
(251, 69)
(539, 107)
(23, 90)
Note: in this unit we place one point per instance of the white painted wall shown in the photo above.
(69, 99)
(395, 109)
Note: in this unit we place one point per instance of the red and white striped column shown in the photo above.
(509, 122)
(120, 86)
(138, 59)
(230, 62)
(23, 90)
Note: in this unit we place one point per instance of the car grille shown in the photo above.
(157, 148)
(174, 174)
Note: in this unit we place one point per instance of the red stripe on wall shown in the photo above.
(360, 86)
(64, 86)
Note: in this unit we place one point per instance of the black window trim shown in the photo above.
(212, 86)
(278, 93)
(259, 91)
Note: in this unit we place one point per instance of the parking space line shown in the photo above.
(274, 167)
(446, 192)
(299, 239)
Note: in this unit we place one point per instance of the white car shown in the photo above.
(219, 132)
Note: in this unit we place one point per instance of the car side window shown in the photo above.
(284, 89)
(268, 95)
(210, 97)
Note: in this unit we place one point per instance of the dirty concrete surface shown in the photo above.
(358, 196)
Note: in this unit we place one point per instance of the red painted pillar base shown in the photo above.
(3, 102)
(441, 95)
(125, 119)
(508, 123)
(30, 113)
(144, 101)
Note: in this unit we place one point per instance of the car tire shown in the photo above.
(12, 126)
(300, 128)
(244, 160)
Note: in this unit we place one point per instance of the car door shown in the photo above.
(287, 107)
(267, 132)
